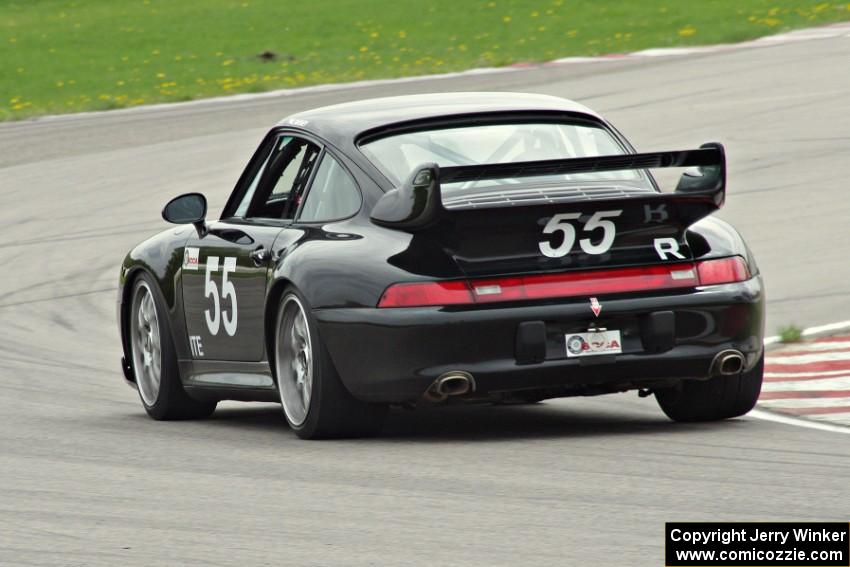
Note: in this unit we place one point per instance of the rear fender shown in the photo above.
(712, 237)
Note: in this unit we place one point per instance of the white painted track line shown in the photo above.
(797, 422)
(809, 403)
(814, 331)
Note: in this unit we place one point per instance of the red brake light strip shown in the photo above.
(569, 284)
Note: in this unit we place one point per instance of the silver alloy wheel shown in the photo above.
(145, 343)
(294, 360)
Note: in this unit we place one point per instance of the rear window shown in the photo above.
(397, 156)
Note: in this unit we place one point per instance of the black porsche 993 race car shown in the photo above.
(461, 247)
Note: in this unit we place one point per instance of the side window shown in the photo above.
(333, 194)
(279, 185)
(252, 188)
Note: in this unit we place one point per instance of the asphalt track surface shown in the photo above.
(87, 479)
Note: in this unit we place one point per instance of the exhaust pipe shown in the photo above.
(450, 384)
(727, 363)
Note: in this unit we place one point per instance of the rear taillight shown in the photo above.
(570, 284)
(426, 293)
(723, 270)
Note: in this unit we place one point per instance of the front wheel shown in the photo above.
(154, 360)
(720, 397)
(314, 400)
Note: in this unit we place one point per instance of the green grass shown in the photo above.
(66, 56)
(790, 334)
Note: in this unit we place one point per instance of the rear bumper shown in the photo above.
(393, 355)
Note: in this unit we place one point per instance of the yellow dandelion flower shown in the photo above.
(506, 19)
(687, 31)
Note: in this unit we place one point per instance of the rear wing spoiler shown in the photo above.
(417, 204)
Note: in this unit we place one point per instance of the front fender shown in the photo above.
(161, 257)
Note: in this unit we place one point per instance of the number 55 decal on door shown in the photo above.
(215, 316)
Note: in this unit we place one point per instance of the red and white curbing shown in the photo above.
(810, 380)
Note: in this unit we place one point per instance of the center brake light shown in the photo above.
(569, 284)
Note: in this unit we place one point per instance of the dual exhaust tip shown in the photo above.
(458, 383)
(450, 384)
(728, 363)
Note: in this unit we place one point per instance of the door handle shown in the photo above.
(260, 256)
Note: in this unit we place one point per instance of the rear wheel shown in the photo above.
(153, 358)
(315, 402)
(720, 397)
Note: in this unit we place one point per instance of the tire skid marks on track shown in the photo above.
(810, 379)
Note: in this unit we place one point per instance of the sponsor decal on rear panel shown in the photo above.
(594, 342)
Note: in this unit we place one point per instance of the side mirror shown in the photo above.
(414, 205)
(185, 209)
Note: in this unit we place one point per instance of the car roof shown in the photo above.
(343, 123)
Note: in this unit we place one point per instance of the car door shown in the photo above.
(225, 270)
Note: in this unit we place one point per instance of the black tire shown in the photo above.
(170, 401)
(720, 397)
(332, 412)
